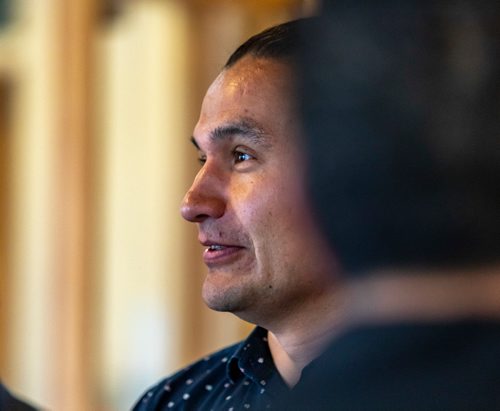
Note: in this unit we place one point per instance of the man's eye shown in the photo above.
(239, 157)
(202, 160)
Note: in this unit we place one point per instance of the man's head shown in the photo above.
(265, 256)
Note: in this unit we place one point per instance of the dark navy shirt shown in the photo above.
(240, 377)
(9, 403)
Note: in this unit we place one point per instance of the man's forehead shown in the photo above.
(258, 72)
(252, 98)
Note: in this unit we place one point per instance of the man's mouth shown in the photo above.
(215, 247)
(216, 255)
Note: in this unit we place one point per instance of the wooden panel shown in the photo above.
(72, 271)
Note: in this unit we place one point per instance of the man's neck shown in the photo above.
(296, 344)
(412, 296)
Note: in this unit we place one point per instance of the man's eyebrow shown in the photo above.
(244, 128)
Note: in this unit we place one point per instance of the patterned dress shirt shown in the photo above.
(240, 377)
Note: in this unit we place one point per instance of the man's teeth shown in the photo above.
(215, 247)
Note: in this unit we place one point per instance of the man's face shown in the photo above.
(263, 251)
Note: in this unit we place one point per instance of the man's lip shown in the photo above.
(210, 242)
(222, 255)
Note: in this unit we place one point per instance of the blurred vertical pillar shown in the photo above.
(143, 142)
(28, 339)
(73, 202)
(47, 341)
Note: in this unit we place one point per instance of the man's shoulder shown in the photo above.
(179, 386)
(11, 403)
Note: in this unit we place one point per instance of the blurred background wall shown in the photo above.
(99, 276)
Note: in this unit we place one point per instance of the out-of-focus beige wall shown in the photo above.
(100, 277)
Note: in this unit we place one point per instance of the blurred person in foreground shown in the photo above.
(267, 262)
(10, 403)
(402, 111)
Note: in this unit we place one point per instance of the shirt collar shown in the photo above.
(252, 360)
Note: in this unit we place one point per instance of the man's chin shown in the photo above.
(223, 300)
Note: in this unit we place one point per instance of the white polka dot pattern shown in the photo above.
(231, 379)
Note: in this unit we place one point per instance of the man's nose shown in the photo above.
(205, 198)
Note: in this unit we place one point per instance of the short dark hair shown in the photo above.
(277, 42)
